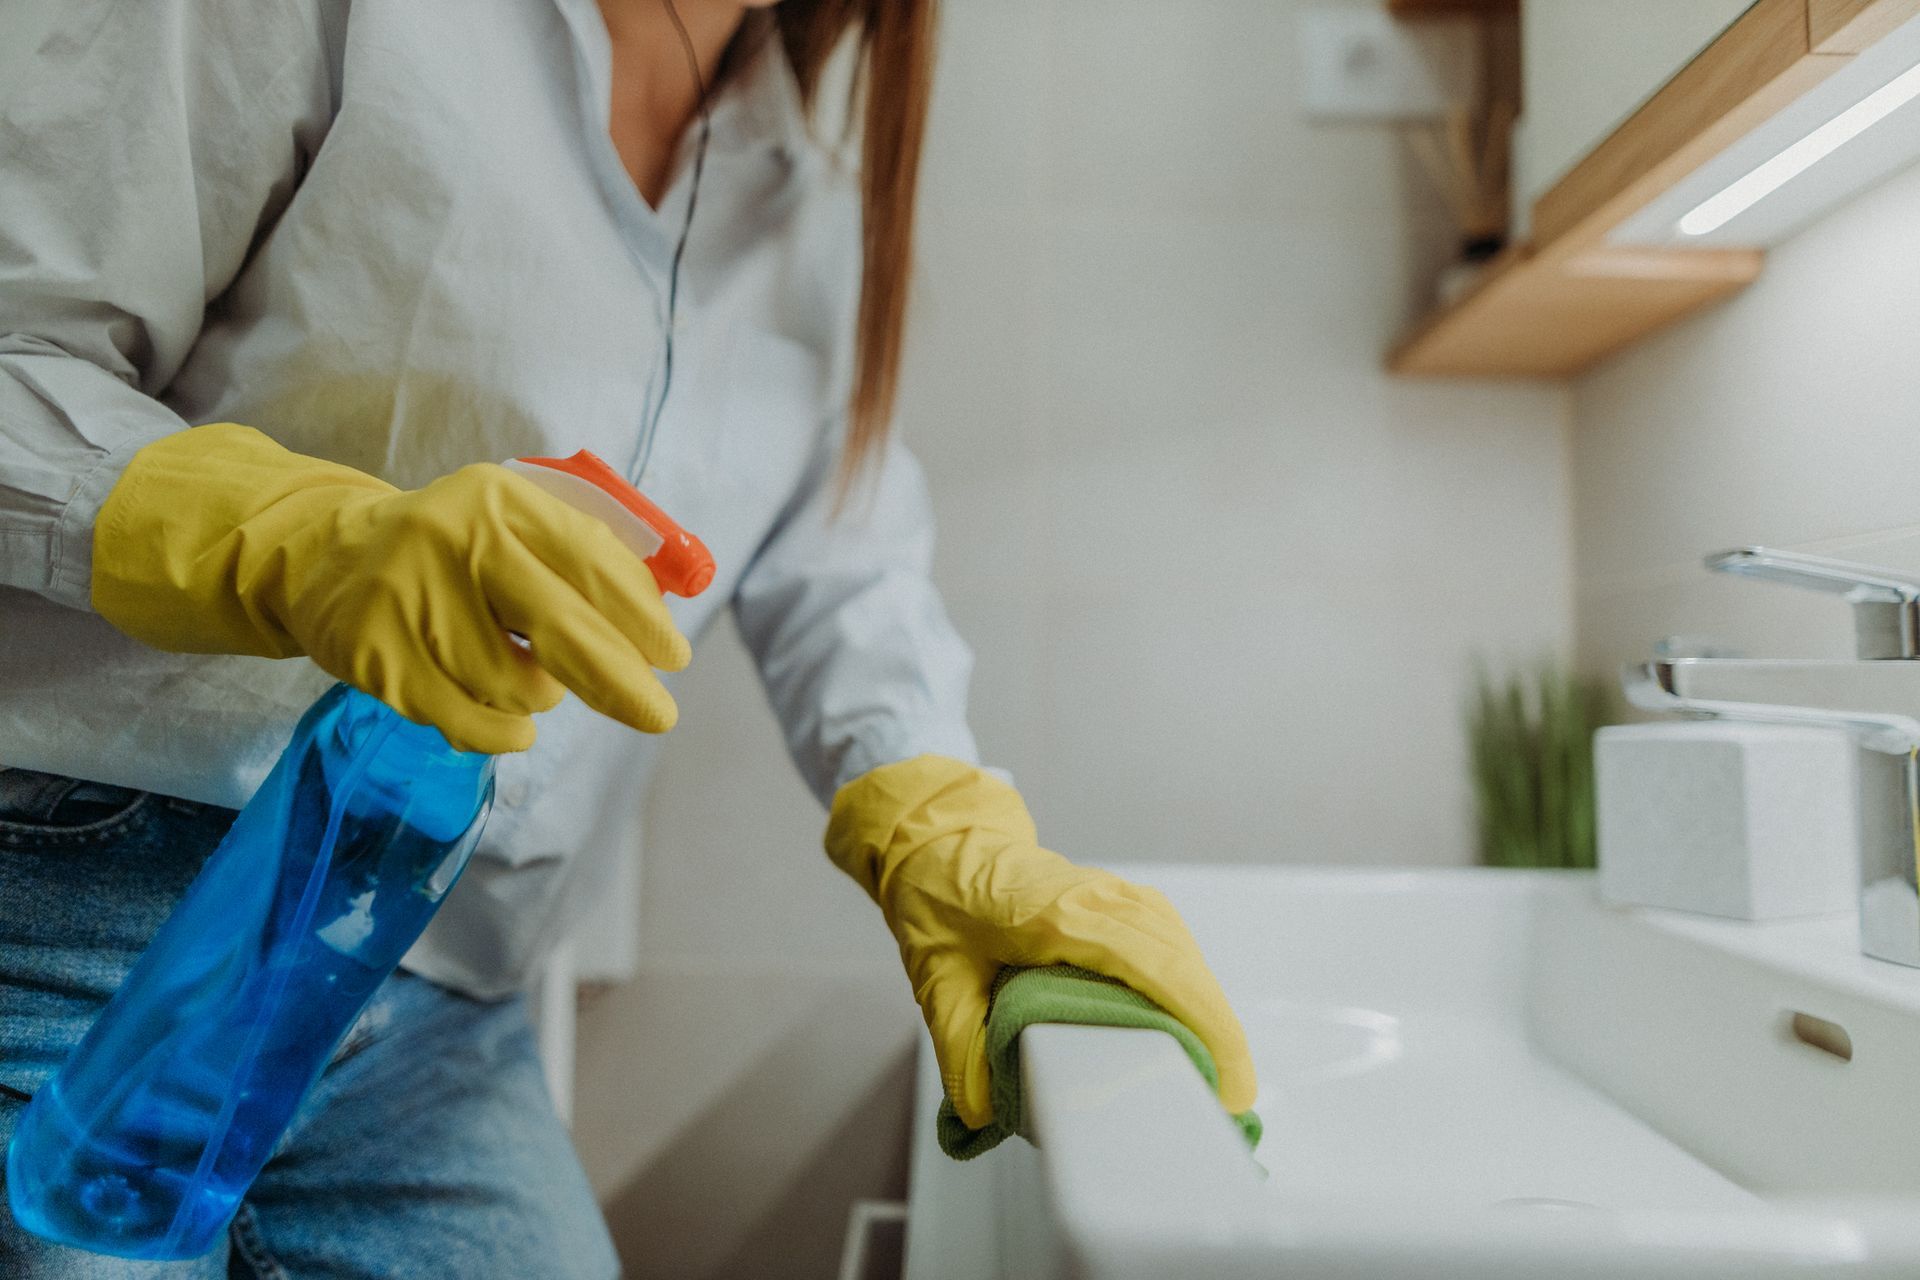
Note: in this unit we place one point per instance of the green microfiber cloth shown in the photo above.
(1059, 993)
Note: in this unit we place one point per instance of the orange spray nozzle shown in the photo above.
(681, 563)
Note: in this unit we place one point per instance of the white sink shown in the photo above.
(1472, 1074)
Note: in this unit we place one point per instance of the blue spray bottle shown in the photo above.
(145, 1140)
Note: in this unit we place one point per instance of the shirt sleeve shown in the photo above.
(853, 644)
(144, 148)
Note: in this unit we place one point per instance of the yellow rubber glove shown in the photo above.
(218, 540)
(950, 854)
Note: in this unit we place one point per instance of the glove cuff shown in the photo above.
(886, 814)
(187, 546)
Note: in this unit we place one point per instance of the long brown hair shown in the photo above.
(893, 80)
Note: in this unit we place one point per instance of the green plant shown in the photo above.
(1530, 738)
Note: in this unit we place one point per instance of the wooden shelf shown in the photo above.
(1558, 308)
(1849, 26)
(1555, 315)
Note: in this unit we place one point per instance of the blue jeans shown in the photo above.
(429, 1148)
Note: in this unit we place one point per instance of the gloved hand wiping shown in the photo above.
(951, 856)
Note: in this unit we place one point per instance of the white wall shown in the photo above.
(1224, 578)
(1789, 416)
(1220, 570)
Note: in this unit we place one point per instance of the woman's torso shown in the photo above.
(463, 273)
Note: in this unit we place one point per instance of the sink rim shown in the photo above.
(1088, 1089)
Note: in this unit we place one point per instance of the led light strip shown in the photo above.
(1716, 211)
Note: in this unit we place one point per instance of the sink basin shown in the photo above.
(1466, 1073)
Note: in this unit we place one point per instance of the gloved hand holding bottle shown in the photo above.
(218, 540)
(160, 1119)
(951, 856)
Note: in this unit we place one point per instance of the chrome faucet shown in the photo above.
(1875, 697)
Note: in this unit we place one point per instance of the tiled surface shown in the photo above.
(1785, 417)
(1237, 571)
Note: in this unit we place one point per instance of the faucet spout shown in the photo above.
(1839, 695)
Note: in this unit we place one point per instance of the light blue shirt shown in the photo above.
(397, 235)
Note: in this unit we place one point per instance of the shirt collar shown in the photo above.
(759, 106)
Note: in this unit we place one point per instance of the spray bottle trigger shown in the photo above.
(681, 563)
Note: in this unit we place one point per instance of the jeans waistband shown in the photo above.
(30, 796)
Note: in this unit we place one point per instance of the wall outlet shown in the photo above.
(1359, 63)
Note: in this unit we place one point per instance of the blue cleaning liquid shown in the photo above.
(149, 1134)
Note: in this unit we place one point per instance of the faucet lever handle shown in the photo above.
(1886, 603)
